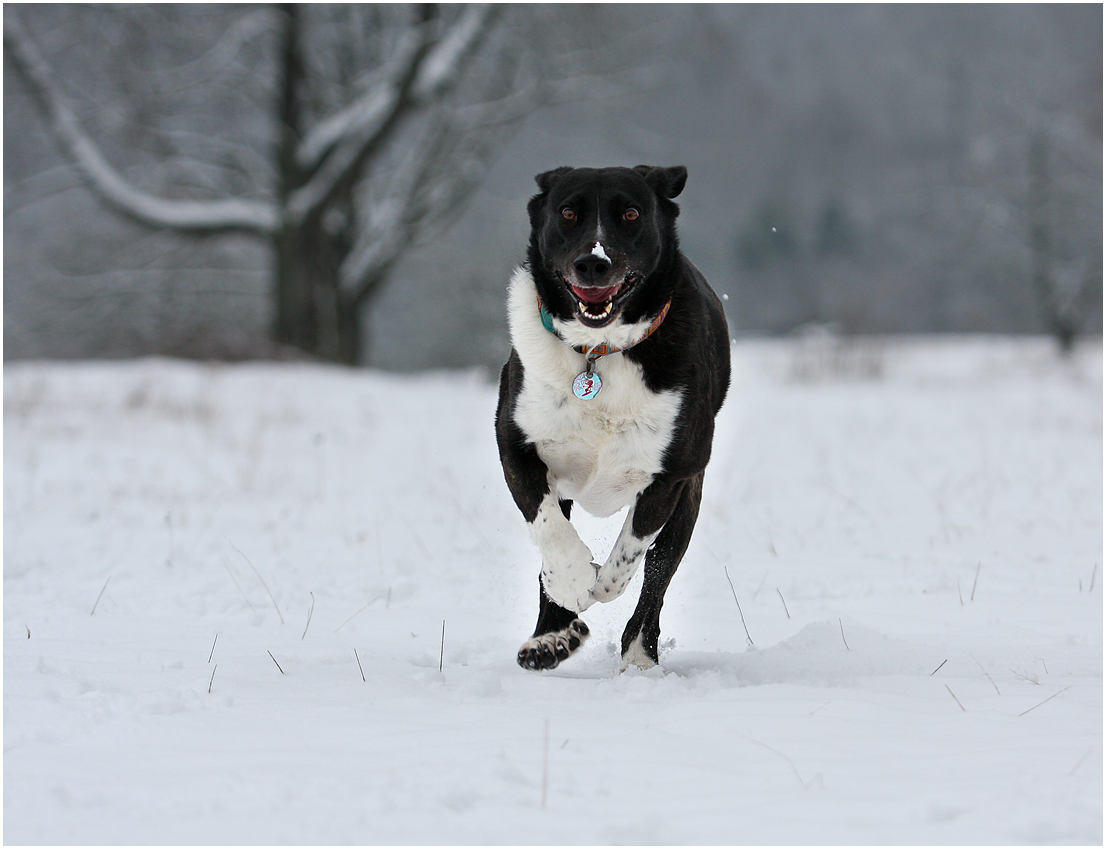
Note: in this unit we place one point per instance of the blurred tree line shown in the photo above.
(350, 181)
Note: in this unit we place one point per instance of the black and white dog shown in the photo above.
(620, 364)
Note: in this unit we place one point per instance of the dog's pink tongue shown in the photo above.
(596, 296)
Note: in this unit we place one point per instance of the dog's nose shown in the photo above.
(591, 267)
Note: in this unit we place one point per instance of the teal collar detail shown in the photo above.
(546, 317)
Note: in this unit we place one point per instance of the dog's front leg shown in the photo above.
(567, 571)
(622, 564)
(559, 632)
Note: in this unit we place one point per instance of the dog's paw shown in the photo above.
(570, 584)
(637, 655)
(548, 650)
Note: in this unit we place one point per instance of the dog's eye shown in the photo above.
(630, 214)
(568, 213)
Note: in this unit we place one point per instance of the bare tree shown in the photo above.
(384, 120)
(1060, 288)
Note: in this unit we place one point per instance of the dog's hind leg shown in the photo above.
(558, 634)
(642, 634)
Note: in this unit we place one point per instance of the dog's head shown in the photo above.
(603, 242)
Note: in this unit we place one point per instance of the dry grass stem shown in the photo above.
(418, 539)
(943, 662)
(309, 612)
(775, 751)
(842, 627)
(989, 678)
(100, 596)
(231, 573)
(275, 661)
(951, 693)
(441, 657)
(212, 679)
(760, 586)
(545, 767)
(748, 636)
(976, 581)
(169, 522)
(785, 610)
(359, 612)
(362, 671)
(1079, 762)
(211, 654)
(1049, 699)
(266, 586)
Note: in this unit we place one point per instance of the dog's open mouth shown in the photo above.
(598, 305)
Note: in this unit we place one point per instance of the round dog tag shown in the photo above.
(586, 385)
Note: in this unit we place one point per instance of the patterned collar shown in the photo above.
(602, 350)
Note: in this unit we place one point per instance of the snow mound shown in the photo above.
(820, 653)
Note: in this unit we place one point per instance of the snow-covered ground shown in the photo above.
(194, 553)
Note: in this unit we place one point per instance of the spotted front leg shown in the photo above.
(567, 572)
(622, 564)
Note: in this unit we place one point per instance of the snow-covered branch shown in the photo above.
(216, 58)
(339, 168)
(424, 71)
(429, 185)
(209, 216)
(443, 66)
(367, 112)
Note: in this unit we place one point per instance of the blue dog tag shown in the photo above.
(586, 385)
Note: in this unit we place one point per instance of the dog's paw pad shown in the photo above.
(548, 650)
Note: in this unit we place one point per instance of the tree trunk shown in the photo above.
(350, 334)
(296, 319)
(1061, 321)
(312, 312)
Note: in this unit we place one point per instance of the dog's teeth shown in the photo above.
(601, 314)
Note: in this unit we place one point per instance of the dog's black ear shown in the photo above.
(545, 181)
(666, 182)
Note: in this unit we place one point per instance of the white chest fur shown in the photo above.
(603, 452)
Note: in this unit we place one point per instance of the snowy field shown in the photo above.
(194, 553)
